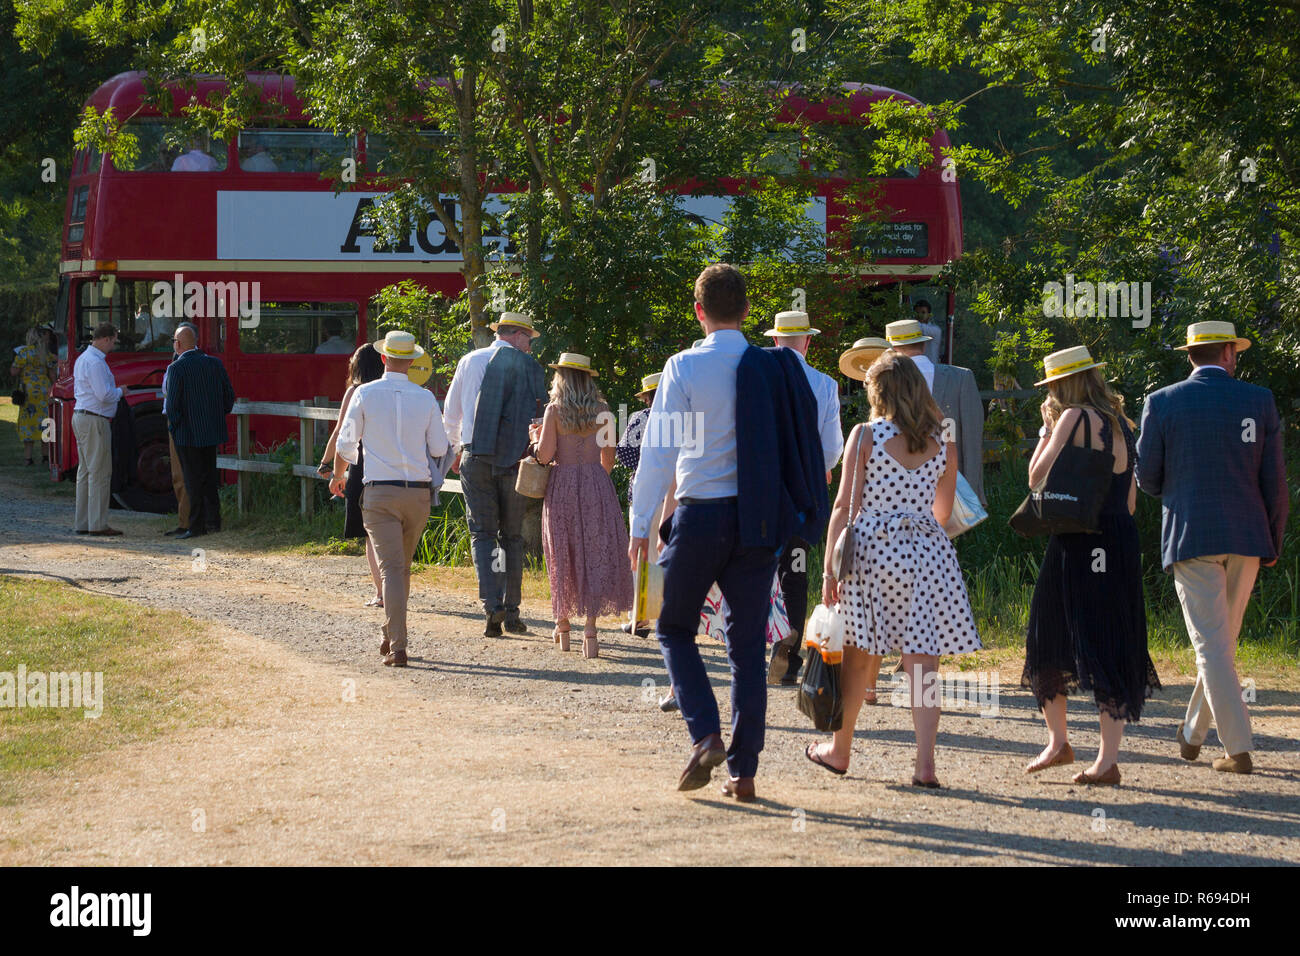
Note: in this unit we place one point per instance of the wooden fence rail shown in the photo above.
(308, 412)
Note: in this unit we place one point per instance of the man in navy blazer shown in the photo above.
(1210, 448)
(199, 397)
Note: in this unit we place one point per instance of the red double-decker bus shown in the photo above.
(198, 229)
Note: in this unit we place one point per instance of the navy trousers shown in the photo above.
(703, 547)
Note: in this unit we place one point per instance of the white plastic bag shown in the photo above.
(825, 633)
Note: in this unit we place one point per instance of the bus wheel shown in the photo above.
(152, 489)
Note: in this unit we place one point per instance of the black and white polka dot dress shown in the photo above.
(905, 592)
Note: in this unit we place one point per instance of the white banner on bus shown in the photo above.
(322, 226)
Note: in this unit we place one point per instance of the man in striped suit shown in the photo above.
(199, 397)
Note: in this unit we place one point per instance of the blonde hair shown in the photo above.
(576, 398)
(1086, 389)
(898, 393)
(36, 340)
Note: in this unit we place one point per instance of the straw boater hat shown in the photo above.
(573, 360)
(1208, 333)
(905, 332)
(649, 384)
(1069, 361)
(855, 362)
(399, 345)
(517, 319)
(791, 324)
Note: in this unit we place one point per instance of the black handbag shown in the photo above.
(1072, 495)
(819, 692)
(18, 397)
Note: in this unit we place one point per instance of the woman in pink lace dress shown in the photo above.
(582, 526)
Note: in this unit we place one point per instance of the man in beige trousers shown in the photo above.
(1210, 447)
(400, 425)
(96, 397)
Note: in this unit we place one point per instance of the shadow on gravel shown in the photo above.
(925, 835)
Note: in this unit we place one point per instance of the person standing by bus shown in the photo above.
(96, 398)
(178, 473)
(199, 397)
(33, 367)
(487, 416)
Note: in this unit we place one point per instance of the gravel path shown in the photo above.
(507, 751)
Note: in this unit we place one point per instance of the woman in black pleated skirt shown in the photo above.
(1087, 622)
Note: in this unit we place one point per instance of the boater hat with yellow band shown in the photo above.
(649, 384)
(1211, 333)
(792, 324)
(399, 345)
(576, 361)
(905, 332)
(1069, 361)
(518, 319)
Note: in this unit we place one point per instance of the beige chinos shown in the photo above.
(94, 469)
(1214, 591)
(394, 518)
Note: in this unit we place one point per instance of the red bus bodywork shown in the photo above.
(289, 232)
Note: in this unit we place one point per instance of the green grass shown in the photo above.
(1001, 567)
(152, 663)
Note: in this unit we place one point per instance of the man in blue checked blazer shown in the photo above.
(199, 397)
(1211, 449)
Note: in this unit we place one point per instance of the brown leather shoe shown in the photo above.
(1063, 756)
(395, 659)
(384, 647)
(705, 755)
(1189, 751)
(1110, 778)
(742, 788)
(105, 533)
(1234, 763)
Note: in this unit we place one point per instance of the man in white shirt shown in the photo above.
(195, 161)
(934, 347)
(335, 343)
(793, 331)
(401, 426)
(692, 432)
(96, 397)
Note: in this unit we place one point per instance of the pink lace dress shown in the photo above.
(583, 535)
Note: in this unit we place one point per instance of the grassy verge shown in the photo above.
(153, 665)
(13, 469)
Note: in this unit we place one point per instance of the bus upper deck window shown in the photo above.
(166, 146)
(292, 151)
(383, 156)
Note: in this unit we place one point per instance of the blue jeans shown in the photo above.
(495, 513)
(703, 546)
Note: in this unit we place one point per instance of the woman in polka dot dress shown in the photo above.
(905, 590)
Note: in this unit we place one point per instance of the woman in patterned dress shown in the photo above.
(33, 367)
(582, 525)
(905, 590)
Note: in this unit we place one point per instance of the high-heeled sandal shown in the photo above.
(590, 645)
(561, 636)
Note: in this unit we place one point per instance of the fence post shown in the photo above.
(306, 436)
(242, 452)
